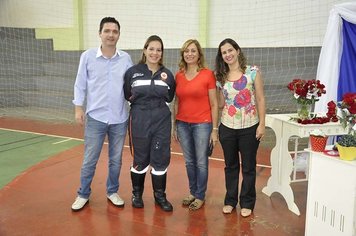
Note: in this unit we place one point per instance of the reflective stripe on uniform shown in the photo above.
(137, 83)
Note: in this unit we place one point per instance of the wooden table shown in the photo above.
(281, 160)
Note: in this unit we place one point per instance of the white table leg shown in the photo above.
(282, 166)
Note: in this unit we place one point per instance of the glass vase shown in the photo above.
(303, 111)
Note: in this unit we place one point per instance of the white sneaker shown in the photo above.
(116, 200)
(79, 203)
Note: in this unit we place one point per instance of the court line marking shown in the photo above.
(126, 146)
(50, 135)
(63, 141)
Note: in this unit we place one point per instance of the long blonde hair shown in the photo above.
(201, 61)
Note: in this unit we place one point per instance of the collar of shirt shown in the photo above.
(99, 53)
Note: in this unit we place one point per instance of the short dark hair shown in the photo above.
(108, 20)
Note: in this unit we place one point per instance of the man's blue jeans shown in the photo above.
(95, 133)
(194, 139)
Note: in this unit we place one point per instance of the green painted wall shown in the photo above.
(72, 38)
(203, 22)
(66, 38)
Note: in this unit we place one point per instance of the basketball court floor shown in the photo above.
(37, 199)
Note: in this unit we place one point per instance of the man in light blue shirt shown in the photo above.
(99, 85)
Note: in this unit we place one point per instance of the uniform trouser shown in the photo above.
(243, 142)
(150, 137)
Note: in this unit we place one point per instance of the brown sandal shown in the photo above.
(197, 204)
(188, 200)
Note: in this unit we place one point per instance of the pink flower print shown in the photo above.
(250, 109)
(231, 110)
(240, 84)
(243, 98)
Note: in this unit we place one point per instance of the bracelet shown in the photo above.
(215, 128)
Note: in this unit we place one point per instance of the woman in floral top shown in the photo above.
(241, 97)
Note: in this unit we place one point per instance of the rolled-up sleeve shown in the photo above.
(80, 86)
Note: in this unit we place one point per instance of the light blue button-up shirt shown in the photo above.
(100, 81)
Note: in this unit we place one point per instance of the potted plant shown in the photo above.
(346, 144)
(317, 139)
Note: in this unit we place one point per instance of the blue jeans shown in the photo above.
(95, 133)
(194, 139)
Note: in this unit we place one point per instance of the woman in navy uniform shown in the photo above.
(149, 86)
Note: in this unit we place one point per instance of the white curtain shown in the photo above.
(331, 51)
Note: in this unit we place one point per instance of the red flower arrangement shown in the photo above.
(306, 91)
(330, 116)
(348, 111)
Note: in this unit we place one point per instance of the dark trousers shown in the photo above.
(150, 137)
(243, 143)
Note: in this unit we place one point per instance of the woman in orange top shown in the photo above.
(196, 118)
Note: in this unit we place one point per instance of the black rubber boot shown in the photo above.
(159, 188)
(138, 181)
